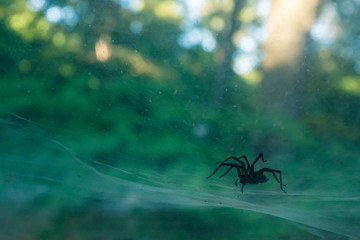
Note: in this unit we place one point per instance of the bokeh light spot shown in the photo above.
(25, 65)
(21, 20)
(169, 10)
(70, 16)
(42, 27)
(133, 5)
(217, 23)
(350, 84)
(54, 14)
(59, 39)
(253, 78)
(66, 70)
(136, 27)
(35, 5)
(103, 49)
(245, 63)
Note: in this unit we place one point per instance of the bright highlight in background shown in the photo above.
(197, 36)
(247, 44)
(67, 14)
(132, 5)
(325, 30)
(54, 14)
(103, 49)
(245, 63)
(35, 5)
(193, 9)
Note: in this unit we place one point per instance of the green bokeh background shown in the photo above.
(120, 149)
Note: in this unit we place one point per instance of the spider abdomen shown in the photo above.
(247, 179)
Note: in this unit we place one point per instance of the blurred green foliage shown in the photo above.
(149, 105)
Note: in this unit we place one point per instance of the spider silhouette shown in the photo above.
(246, 173)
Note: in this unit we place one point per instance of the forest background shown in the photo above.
(158, 91)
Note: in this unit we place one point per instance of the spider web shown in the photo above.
(317, 205)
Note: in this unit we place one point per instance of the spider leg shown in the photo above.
(273, 171)
(277, 179)
(226, 164)
(236, 182)
(242, 188)
(226, 171)
(243, 156)
(238, 160)
(257, 159)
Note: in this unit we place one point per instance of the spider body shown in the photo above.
(247, 174)
(244, 179)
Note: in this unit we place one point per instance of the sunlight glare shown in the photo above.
(193, 9)
(197, 36)
(247, 44)
(208, 42)
(326, 30)
(54, 14)
(132, 5)
(245, 63)
(190, 38)
(263, 8)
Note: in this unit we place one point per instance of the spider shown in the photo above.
(247, 174)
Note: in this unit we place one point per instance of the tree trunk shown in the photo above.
(226, 50)
(288, 26)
